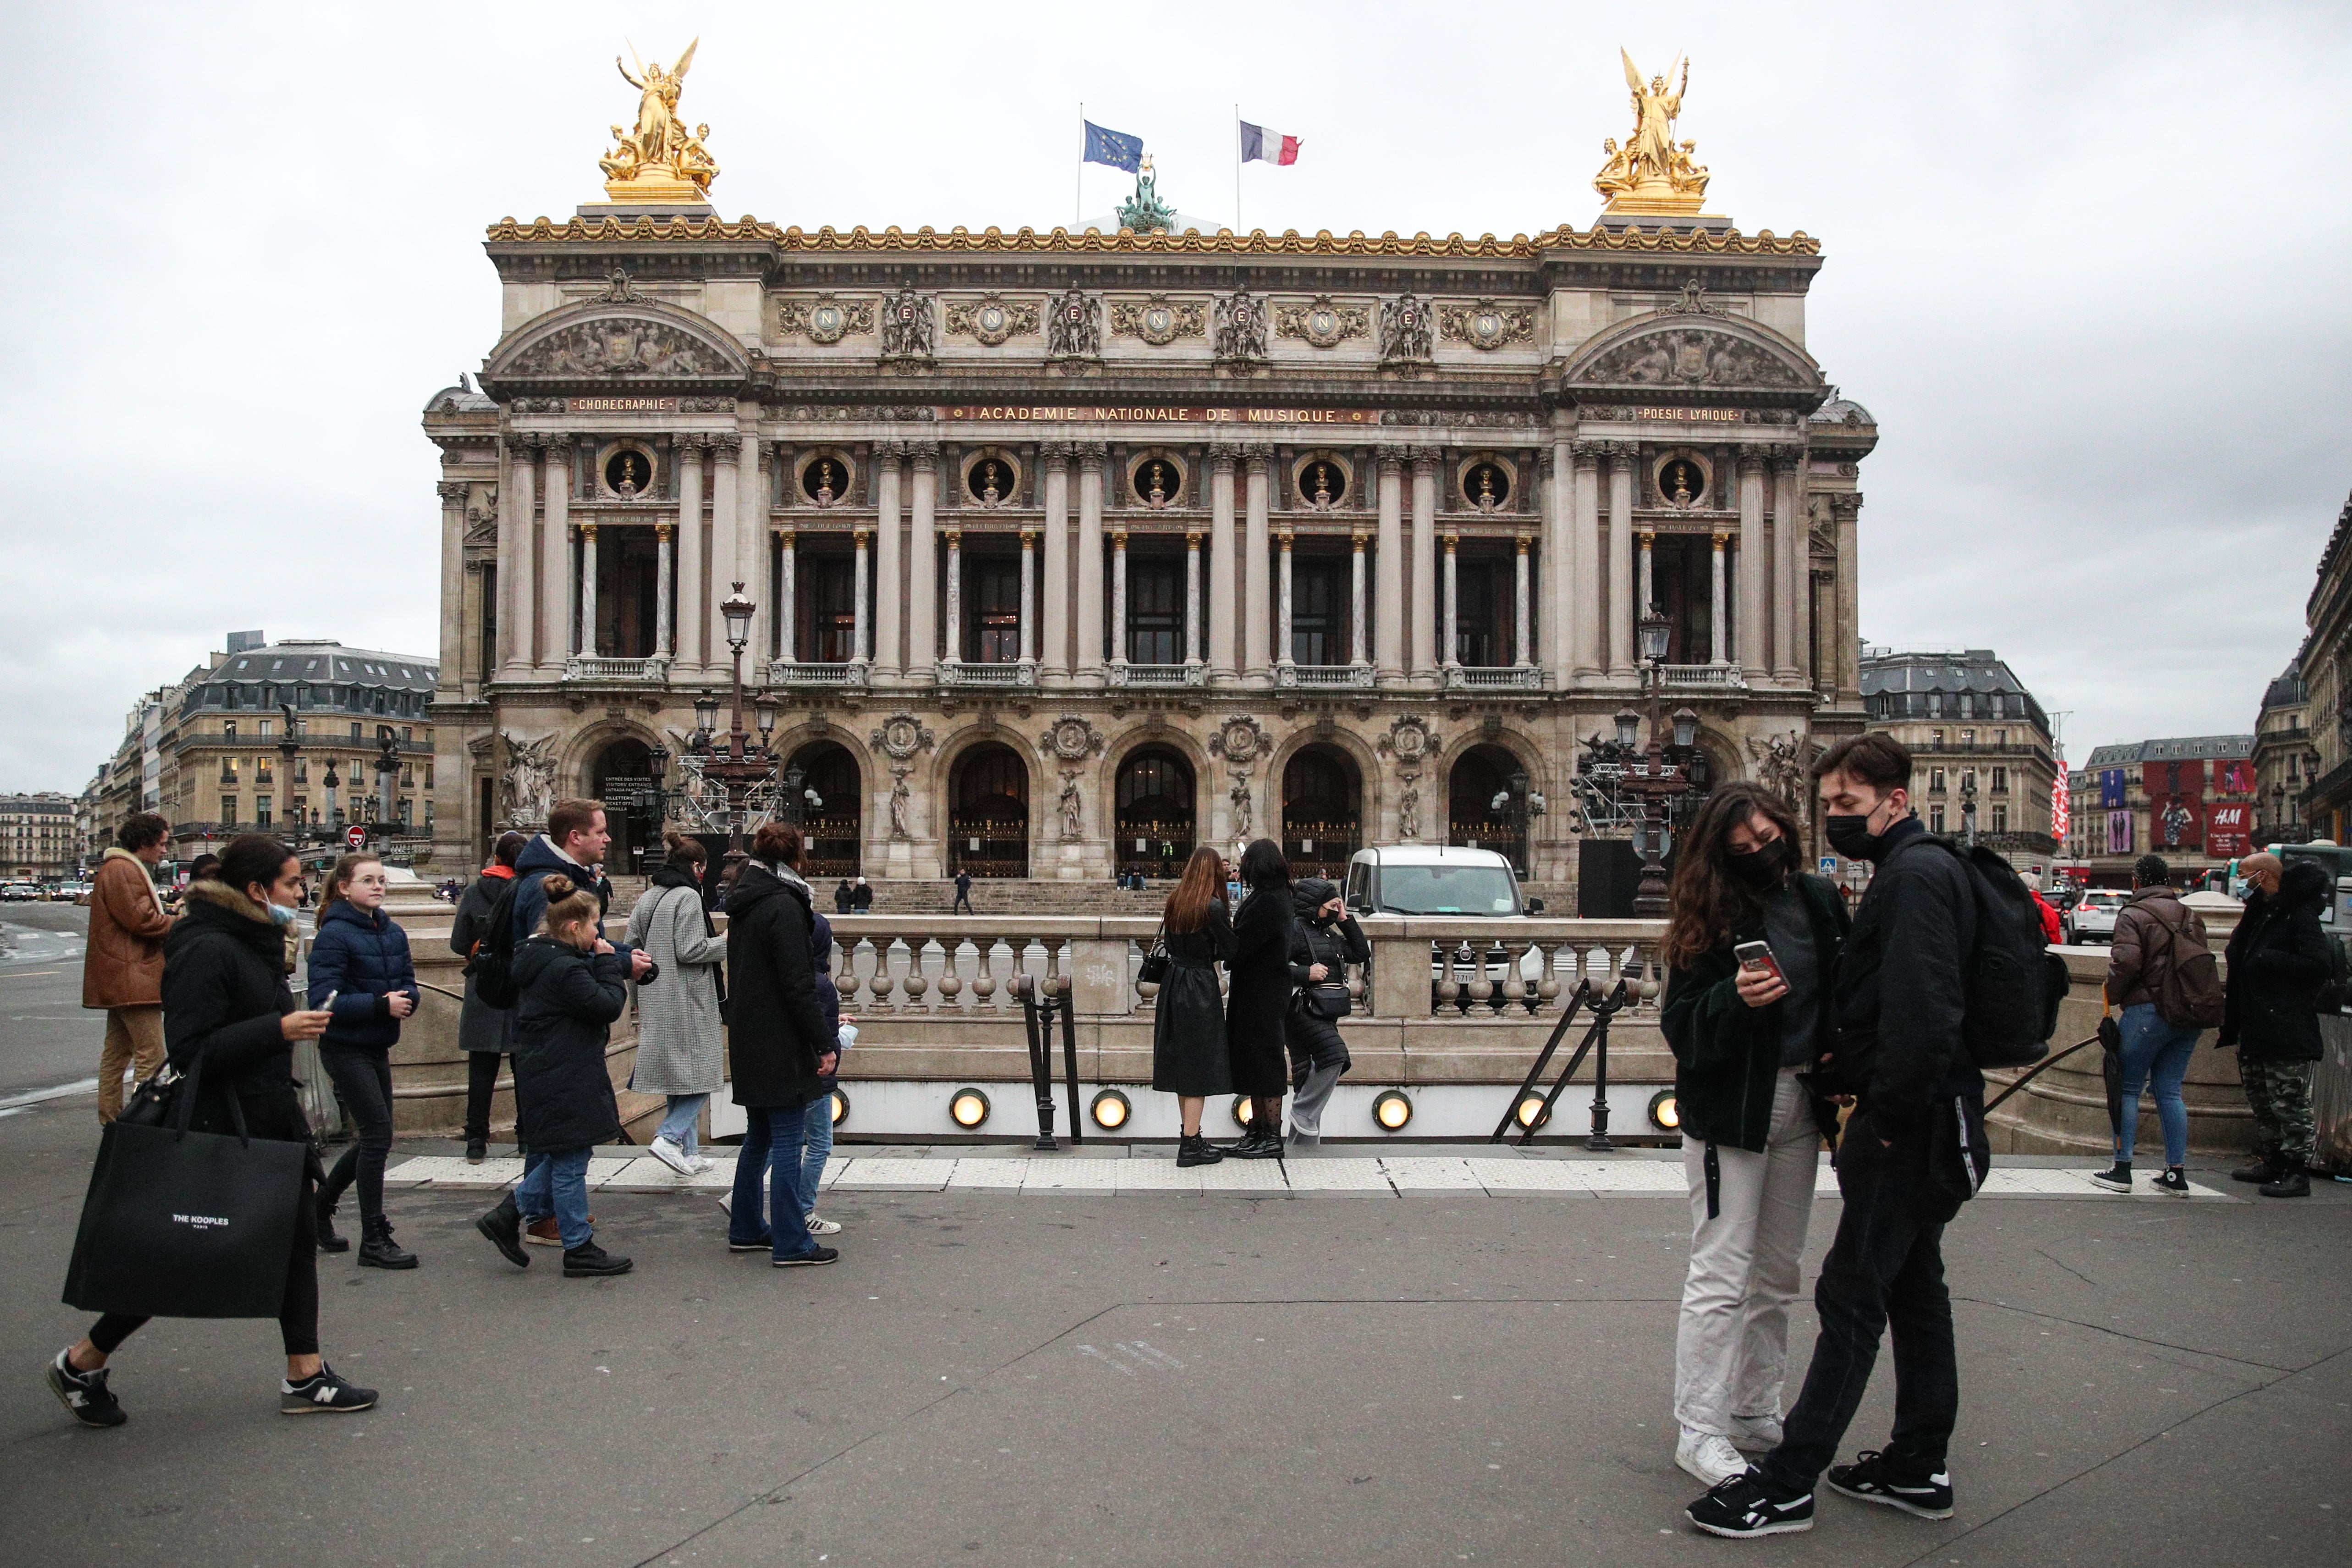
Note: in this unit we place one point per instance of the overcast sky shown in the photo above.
(2086, 266)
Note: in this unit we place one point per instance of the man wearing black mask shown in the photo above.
(1898, 1006)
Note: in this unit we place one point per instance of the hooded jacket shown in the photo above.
(776, 1026)
(361, 956)
(564, 1018)
(1333, 945)
(122, 967)
(223, 993)
(2278, 959)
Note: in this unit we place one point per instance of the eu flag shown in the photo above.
(1115, 148)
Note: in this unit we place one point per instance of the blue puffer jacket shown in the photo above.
(362, 956)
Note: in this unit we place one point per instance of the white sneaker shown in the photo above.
(818, 1226)
(704, 1163)
(1757, 1434)
(1709, 1456)
(670, 1154)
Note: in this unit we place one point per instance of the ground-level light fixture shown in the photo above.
(1532, 1113)
(840, 1107)
(1111, 1109)
(1243, 1110)
(1393, 1109)
(968, 1109)
(1666, 1112)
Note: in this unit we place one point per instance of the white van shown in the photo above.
(1434, 880)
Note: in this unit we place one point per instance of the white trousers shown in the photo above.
(1731, 1347)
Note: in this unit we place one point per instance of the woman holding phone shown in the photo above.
(1751, 948)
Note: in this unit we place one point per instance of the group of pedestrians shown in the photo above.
(1274, 1030)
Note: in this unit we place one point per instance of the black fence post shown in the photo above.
(1040, 1024)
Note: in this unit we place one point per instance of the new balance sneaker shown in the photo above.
(1709, 1456)
(2117, 1179)
(324, 1393)
(670, 1154)
(819, 1226)
(2173, 1182)
(1744, 1506)
(1871, 1479)
(84, 1395)
(1757, 1434)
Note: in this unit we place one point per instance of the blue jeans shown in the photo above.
(557, 1183)
(679, 1125)
(816, 1148)
(2155, 1053)
(770, 1162)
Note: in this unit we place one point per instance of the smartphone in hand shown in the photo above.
(1756, 958)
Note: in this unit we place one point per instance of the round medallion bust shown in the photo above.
(628, 472)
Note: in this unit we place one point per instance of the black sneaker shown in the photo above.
(1744, 1506)
(2291, 1183)
(757, 1243)
(590, 1261)
(809, 1259)
(1871, 1479)
(84, 1395)
(503, 1226)
(2261, 1168)
(476, 1150)
(2174, 1183)
(325, 1393)
(2115, 1180)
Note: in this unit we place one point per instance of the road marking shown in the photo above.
(35, 1097)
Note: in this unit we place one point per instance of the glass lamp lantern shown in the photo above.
(1629, 725)
(739, 612)
(706, 712)
(1653, 630)
(1686, 727)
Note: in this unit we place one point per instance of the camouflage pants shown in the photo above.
(2280, 1094)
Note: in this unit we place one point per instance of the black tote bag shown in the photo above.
(187, 1225)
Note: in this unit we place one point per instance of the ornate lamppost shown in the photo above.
(736, 763)
(286, 748)
(1665, 773)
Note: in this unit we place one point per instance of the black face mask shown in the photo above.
(1760, 869)
(1850, 836)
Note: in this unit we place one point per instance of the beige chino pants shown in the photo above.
(134, 1038)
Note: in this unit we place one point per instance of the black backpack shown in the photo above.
(490, 966)
(2014, 983)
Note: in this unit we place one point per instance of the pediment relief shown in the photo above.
(1673, 349)
(640, 340)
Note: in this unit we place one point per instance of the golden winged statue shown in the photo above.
(1652, 173)
(659, 162)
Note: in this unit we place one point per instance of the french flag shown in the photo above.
(1266, 146)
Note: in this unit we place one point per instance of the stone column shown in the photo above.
(1221, 563)
(1451, 659)
(518, 555)
(665, 584)
(1388, 567)
(1090, 562)
(862, 627)
(1257, 548)
(1648, 580)
(788, 595)
(694, 600)
(1845, 514)
(1192, 592)
(1553, 651)
(1623, 611)
(585, 640)
(1585, 557)
(752, 558)
(923, 565)
(1790, 578)
(890, 567)
(555, 557)
(1282, 655)
(1356, 599)
(1029, 597)
(456, 623)
(1718, 651)
(1754, 657)
(1425, 563)
(1053, 611)
(954, 654)
(1118, 594)
(1519, 627)
(725, 569)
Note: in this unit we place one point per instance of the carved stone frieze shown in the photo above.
(992, 319)
(1484, 324)
(1240, 326)
(1405, 331)
(1241, 740)
(824, 320)
(861, 413)
(1074, 325)
(619, 345)
(1410, 740)
(1322, 322)
(1071, 740)
(1157, 319)
(1691, 356)
(901, 736)
(909, 326)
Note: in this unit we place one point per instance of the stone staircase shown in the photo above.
(1013, 896)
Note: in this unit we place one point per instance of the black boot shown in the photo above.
(476, 1150)
(503, 1226)
(1260, 1143)
(1194, 1149)
(328, 1240)
(2292, 1182)
(378, 1250)
(2262, 1168)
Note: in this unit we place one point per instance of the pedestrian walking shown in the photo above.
(1188, 1023)
(781, 1047)
(482, 1029)
(122, 961)
(1743, 1035)
(963, 892)
(360, 974)
(1325, 939)
(680, 1053)
(225, 1001)
(816, 1134)
(572, 983)
(861, 898)
(2155, 936)
(1257, 999)
(1898, 998)
(2279, 959)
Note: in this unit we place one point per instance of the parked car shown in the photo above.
(1440, 883)
(2093, 917)
(20, 892)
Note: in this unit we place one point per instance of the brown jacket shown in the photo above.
(123, 964)
(2142, 946)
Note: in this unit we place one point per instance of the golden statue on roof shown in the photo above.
(658, 163)
(1653, 173)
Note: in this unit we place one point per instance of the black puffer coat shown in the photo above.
(223, 993)
(1313, 1040)
(562, 1021)
(775, 1026)
(1900, 995)
(1258, 994)
(2278, 961)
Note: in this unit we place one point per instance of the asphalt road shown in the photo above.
(45, 1038)
(1312, 1379)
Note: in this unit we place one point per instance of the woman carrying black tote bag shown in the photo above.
(243, 1167)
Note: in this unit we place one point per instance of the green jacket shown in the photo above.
(1727, 1054)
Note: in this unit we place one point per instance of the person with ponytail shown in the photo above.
(362, 973)
(573, 985)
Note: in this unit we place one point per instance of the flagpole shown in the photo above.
(1079, 193)
(1238, 171)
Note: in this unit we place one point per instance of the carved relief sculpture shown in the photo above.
(1240, 797)
(902, 736)
(1784, 765)
(1652, 174)
(909, 326)
(1405, 331)
(1073, 808)
(992, 319)
(1157, 321)
(899, 798)
(659, 163)
(527, 792)
(1074, 325)
(1322, 322)
(1409, 808)
(824, 320)
(619, 345)
(1487, 325)
(1240, 332)
(1691, 356)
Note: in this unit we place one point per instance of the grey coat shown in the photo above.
(679, 1048)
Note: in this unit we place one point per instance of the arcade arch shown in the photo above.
(988, 821)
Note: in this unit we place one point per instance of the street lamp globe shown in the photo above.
(765, 706)
(1654, 629)
(1629, 725)
(739, 612)
(706, 712)
(1686, 727)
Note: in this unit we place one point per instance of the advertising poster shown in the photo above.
(2119, 833)
(2234, 778)
(2176, 806)
(2228, 829)
(2111, 789)
(2060, 806)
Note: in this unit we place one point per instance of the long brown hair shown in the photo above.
(1203, 883)
(340, 877)
(1706, 902)
(568, 904)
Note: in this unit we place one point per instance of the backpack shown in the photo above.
(2014, 983)
(2336, 990)
(2188, 994)
(490, 966)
